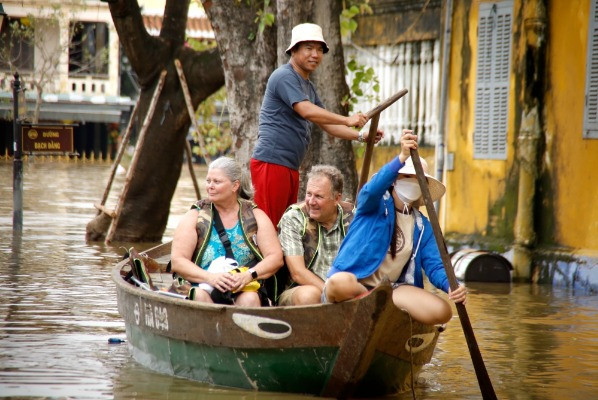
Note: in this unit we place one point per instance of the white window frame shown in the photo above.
(494, 47)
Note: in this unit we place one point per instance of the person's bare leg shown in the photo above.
(306, 294)
(422, 305)
(248, 299)
(202, 296)
(343, 286)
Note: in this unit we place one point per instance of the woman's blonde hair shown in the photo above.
(233, 171)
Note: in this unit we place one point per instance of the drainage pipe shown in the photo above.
(440, 140)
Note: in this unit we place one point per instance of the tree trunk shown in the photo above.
(146, 206)
(329, 79)
(247, 65)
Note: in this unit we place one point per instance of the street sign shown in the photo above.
(47, 139)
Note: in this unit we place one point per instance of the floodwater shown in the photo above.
(58, 309)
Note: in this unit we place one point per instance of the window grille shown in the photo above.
(410, 65)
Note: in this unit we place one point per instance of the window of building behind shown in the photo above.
(412, 65)
(88, 53)
(590, 115)
(16, 47)
(492, 81)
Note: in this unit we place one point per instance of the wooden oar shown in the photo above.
(374, 116)
(476, 357)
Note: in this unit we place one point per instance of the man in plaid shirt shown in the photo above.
(311, 232)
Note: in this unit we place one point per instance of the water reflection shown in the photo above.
(58, 308)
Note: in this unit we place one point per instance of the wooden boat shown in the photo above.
(362, 347)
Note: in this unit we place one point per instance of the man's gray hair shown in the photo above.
(333, 174)
(234, 172)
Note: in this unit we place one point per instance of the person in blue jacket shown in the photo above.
(389, 237)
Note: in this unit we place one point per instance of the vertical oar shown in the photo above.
(476, 357)
(374, 116)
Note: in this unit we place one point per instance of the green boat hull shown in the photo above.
(361, 347)
(295, 370)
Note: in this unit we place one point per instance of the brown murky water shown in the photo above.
(58, 308)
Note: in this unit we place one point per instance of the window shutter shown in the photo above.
(492, 82)
(590, 115)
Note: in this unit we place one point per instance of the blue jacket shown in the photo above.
(368, 239)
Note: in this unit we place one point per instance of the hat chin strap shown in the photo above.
(405, 201)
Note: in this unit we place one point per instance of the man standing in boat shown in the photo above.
(311, 232)
(290, 106)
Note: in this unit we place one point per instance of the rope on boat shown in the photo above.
(411, 355)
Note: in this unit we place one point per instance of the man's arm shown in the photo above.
(343, 132)
(300, 274)
(321, 116)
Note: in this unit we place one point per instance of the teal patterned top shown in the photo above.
(215, 248)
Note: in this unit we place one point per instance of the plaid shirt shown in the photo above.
(291, 226)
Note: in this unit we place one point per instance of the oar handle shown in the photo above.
(476, 357)
(374, 115)
(386, 103)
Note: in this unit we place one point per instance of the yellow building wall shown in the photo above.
(481, 195)
(473, 186)
(571, 160)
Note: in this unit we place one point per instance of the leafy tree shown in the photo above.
(252, 37)
(250, 51)
(147, 202)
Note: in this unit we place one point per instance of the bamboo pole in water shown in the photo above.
(187, 95)
(131, 171)
(125, 140)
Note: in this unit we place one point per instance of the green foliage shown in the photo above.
(200, 45)
(263, 19)
(348, 23)
(216, 134)
(351, 9)
(364, 82)
(359, 151)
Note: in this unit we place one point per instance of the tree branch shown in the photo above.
(175, 22)
(128, 22)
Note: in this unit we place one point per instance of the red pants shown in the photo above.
(276, 188)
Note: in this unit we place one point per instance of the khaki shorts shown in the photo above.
(286, 298)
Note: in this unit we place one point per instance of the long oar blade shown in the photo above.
(476, 357)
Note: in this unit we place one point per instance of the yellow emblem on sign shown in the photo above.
(32, 134)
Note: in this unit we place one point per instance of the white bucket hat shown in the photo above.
(437, 188)
(307, 33)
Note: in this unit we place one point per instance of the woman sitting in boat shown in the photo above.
(389, 237)
(247, 238)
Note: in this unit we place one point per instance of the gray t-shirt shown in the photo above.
(283, 134)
